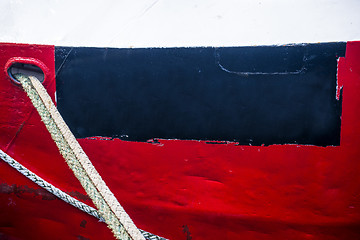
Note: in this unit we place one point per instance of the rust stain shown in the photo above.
(25, 191)
(79, 196)
(82, 238)
(187, 232)
(83, 223)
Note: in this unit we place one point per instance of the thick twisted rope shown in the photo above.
(109, 208)
(47, 186)
(61, 194)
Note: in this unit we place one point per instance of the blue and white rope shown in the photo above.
(61, 194)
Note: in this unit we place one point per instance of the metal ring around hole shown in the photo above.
(30, 61)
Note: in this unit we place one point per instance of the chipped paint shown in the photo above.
(26, 192)
(279, 192)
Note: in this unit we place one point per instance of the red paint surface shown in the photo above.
(31, 61)
(182, 189)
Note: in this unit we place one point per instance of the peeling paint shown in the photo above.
(339, 83)
(79, 196)
(244, 74)
(83, 223)
(184, 94)
(25, 191)
(79, 237)
(187, 232)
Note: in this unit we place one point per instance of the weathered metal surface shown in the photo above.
(250, 95)
(182, 189)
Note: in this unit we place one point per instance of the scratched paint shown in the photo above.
(219, 191)
(25, 192)
(250, 95)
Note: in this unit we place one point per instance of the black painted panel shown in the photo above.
(252, 95)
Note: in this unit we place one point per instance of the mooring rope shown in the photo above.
(61, 194)
(109, 208)
(47, 186)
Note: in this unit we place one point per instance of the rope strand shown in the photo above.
(61, 194)
(109, 208)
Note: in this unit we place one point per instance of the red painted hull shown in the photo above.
(183, 189)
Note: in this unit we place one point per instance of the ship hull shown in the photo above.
(257, 166)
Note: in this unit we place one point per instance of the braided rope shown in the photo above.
(109, 208)
(50, 188)
(61, 194)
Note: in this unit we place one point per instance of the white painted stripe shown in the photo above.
(178, 23)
